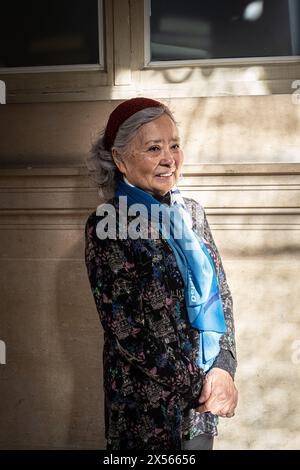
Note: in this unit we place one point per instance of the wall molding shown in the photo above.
(252, 196)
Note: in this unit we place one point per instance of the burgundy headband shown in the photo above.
(123, 112)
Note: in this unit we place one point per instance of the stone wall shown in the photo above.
(51, 384)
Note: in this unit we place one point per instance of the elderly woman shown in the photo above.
(160, 290)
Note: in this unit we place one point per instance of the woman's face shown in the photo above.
(154, 159)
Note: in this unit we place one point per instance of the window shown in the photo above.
(57, 35)
(190, 48)
(203, 30)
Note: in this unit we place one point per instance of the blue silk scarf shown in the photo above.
(202, 296)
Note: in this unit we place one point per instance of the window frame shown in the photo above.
(218, 77)
(203, 62)
(67, 68)
(126, 73)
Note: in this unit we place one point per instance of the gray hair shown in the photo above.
(101, 166)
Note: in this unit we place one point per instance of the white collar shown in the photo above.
(127, 182)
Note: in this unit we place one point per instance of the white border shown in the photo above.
(68, 68)
(203, 62)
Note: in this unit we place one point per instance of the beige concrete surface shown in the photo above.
(236, 129)
(51, 384)
(266, 293)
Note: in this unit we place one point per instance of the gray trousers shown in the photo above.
(201, 442)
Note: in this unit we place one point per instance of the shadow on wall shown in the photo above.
(80, 336)
(52, 381)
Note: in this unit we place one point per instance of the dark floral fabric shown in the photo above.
(151, 377)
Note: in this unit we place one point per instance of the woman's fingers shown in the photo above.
(222, 399)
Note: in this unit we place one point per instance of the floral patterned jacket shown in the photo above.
(151, 377)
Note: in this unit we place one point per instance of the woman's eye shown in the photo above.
(154, 148)
(176, 146)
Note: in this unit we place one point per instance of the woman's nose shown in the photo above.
(167, 157)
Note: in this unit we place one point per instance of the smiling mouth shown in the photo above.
(164, 175)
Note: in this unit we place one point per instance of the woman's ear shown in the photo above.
(118, 161)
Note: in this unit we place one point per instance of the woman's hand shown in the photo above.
(219, 394)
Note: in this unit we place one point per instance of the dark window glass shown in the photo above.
(202, 29)
(45, 33)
